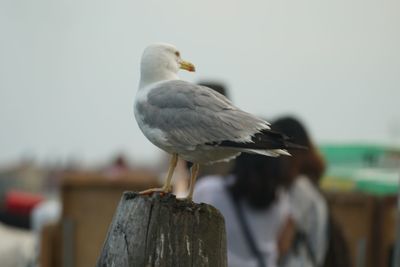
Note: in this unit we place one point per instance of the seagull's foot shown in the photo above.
(162, 191)
(187, 199)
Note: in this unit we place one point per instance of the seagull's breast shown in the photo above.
(155, 135)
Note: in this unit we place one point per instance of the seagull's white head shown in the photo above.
(161, 62)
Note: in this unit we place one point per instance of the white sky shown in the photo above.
(69, 69)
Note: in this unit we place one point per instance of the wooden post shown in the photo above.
(163, 231)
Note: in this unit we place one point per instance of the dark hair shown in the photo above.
(308, 161)
(257, 179)
(294, 129)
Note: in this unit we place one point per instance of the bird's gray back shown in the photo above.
(190, 114)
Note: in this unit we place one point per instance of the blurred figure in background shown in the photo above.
(118, 167)
(317, 240)
(256, 211)
(301, 173)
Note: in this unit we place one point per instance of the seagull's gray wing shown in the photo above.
(191, 115)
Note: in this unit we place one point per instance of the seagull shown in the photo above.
(194, 122)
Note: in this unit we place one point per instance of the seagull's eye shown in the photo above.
(177, 54)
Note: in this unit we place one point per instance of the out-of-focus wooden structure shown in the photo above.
(50, 246)
(368, 223)
(89, 201)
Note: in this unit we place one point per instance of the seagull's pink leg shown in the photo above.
(193, 176)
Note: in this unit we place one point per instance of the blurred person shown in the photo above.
(118, 167)
(316, 234)
(256, 211)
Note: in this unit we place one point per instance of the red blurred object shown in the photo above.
(21, 203)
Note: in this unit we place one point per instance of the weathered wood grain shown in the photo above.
(163, 231)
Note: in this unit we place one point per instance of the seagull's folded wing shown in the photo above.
(191, 115)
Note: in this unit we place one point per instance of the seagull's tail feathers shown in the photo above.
(270, 153)
(267, 142)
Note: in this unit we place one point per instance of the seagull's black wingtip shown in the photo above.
(265, 140)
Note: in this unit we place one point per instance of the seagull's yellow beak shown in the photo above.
(185, 65)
